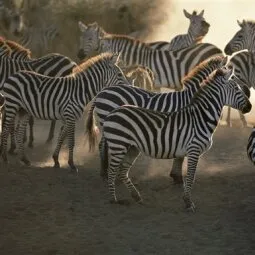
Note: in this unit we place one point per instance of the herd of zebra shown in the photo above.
(132, 119)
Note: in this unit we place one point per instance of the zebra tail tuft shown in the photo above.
(91, 130)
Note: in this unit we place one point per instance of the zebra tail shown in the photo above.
(104, 160)
(91, 130)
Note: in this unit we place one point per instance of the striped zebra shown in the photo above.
(243, 39)
(251, 146)
(244, 64)
(56, 98)
(2, 100)
(197, 30)
(187, 132)
(51, 65)
(168, 66)
(115, 96)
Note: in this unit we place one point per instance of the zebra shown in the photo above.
(197, 30)
(244, 64)
(51, 65)
(115, 96)
(243, 39)
(251, 146)
(186, 132)
(56, 98)
(168, 66)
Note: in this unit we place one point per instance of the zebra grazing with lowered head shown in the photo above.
(243, 61)
(198, 28)
(115, 96)
(56, 98)
(168, 66)
(51, 65)
(251, 146)
(186, 132)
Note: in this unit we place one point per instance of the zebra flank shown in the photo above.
(186, 132)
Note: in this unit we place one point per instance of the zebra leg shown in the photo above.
(101, 154)
(71, 143)
(176, 171)
(13, 138)
(130, 158)
(242, 117)
(61, 138)
(228, 117)
(4, 137)
(31, 132)
(51, 132)
(20, 136)
(189, 179)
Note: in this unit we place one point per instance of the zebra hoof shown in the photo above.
(56, 165)
(11, 151)
(136, 197)
(25, 161)
(122, 202)
(30, 145)
(177, 178)
(49, 140)
(191, 208)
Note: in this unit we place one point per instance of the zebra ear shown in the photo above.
(187, 15)
(201, 14)
(239, 23)
(82, 26)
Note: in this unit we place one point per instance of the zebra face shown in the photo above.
(89, 39)
(236, 95)
(243, 39)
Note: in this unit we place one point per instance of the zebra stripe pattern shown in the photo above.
(198, 28)
(51, 65)
(251, 146)
(57, 98)
(169, 67)
(243, 39)
(187, 132)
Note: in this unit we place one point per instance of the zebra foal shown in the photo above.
(56, 98)
(187, 132)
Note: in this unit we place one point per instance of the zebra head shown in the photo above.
(89, 39)
(243, 39)
(236, 95)
(114, 74)
(198, 25)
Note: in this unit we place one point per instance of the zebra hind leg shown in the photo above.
(126, 165)
(242, 118)
(13, 133)
(61, 138)
(31, 132)
(51, 132)
(176, 171)
(20, 136)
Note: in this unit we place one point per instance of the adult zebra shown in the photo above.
(168, 66)
(243, 61)
(56, 98)
(115, 96)
(251, 146)
(197, 30)
(51, 65)
(187, 132)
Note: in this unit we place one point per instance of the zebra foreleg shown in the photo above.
(176, 171)
(130, 158)
(242, 118)
(31, 132)
(20, 136)
(52, 131)
(13, 133)
(189, 180)
(61, 138)
(4, 137)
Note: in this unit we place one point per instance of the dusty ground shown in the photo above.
(49, 211)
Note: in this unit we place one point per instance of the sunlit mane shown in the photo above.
(125, 37)
(91, 61)
(5, 47)
(18, 47)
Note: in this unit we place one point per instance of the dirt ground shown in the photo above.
(52, 211)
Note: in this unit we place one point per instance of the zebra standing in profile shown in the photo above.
(244, 62)
(56, 98)
(51, 65)
(251, 146)
(197, 30)
(168, 66)
(115, 96)
(187, 132)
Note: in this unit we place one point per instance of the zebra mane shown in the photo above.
(18, 47)
(91, 61)
(5, 47)
(126, 37)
